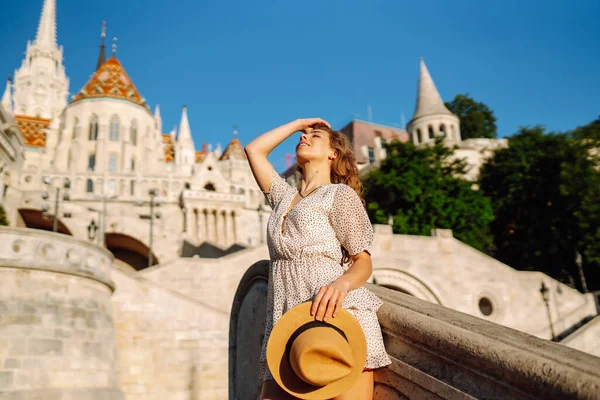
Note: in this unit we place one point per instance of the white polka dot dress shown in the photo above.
(305, 251)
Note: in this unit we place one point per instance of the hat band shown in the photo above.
(304, 328)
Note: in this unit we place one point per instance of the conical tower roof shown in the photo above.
(234, 150)
(429, 101)
(111, 80)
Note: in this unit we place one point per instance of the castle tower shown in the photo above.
(431, 117)
(185, 151)
(41, 86)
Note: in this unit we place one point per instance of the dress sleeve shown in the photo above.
(279, 187)
(350, 221)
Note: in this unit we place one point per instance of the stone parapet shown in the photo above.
(53, 252)
(57, 336)
(436, 352)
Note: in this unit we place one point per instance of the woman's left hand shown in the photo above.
(328, 301)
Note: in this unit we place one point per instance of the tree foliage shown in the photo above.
(3, 219)
(421, 189)
(545, 190)
(476, 119)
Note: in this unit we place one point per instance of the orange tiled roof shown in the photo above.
(169, 149)
(234, 150)
(32, 129)
(110, 80)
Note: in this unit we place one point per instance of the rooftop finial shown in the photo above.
(114, 47)
(102, 56)
(235, 130)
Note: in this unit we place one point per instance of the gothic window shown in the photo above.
(89, 186)
(112, 163)
(114, 129)
(93, 132)
(91, 162)
(132, 165)
(75, 127)
(430, 130)
(133, 133)
(132, 188)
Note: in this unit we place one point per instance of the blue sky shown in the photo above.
(259, 64)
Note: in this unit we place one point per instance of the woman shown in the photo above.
(319, 239)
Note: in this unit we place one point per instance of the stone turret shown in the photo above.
(431, 117)
(7, 96)
(185, 151)
(58, 331)
(41, 85)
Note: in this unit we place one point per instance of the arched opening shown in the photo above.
(210, 187)
(129, 250)
(430, 131)
(419, 138)
(442, 130)
(35, 219)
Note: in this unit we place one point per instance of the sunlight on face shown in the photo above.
(313, 146)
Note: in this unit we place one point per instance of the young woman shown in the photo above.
(319, 238)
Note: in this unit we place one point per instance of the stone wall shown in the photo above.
(443, 270)
(436, 352)
(170, 346)
(57, 337)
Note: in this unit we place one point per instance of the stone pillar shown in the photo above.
(230, 232)
(210, 224)
(57, 336)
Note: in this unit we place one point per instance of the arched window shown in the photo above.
(133, 133)
(75, 127)
(114, 129)
(419, 138)
(89, 186)
(210, 187)
(442, 130)
(430, 131)
(93, 132)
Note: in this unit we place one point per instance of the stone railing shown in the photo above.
(57, 336)
(437, 353)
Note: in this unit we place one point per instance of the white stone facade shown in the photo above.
(110, 149)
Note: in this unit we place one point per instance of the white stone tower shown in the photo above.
(7, 97)
(431, 117)
(41, 86)
(185, 151)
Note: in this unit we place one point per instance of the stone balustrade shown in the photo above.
(57, 336)
(437, 353)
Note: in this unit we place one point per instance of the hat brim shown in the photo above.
(281, 370)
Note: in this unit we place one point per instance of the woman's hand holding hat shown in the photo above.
(329, 299)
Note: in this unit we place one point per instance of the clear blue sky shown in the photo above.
(259, 64)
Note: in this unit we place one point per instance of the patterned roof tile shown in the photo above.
(33, 130)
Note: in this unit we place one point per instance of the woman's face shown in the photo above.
(313, 146)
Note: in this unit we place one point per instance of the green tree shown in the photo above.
(422, 189)
(476, 119)
(3, 219)
(545, 190)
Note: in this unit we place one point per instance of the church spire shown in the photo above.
(185, 134)
(7, 97)
(102, 55)
(429, 101)
(46, 34)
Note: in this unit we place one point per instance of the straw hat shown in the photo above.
(316, 360)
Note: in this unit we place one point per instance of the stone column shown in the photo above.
(57, 337)
(210, 225)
